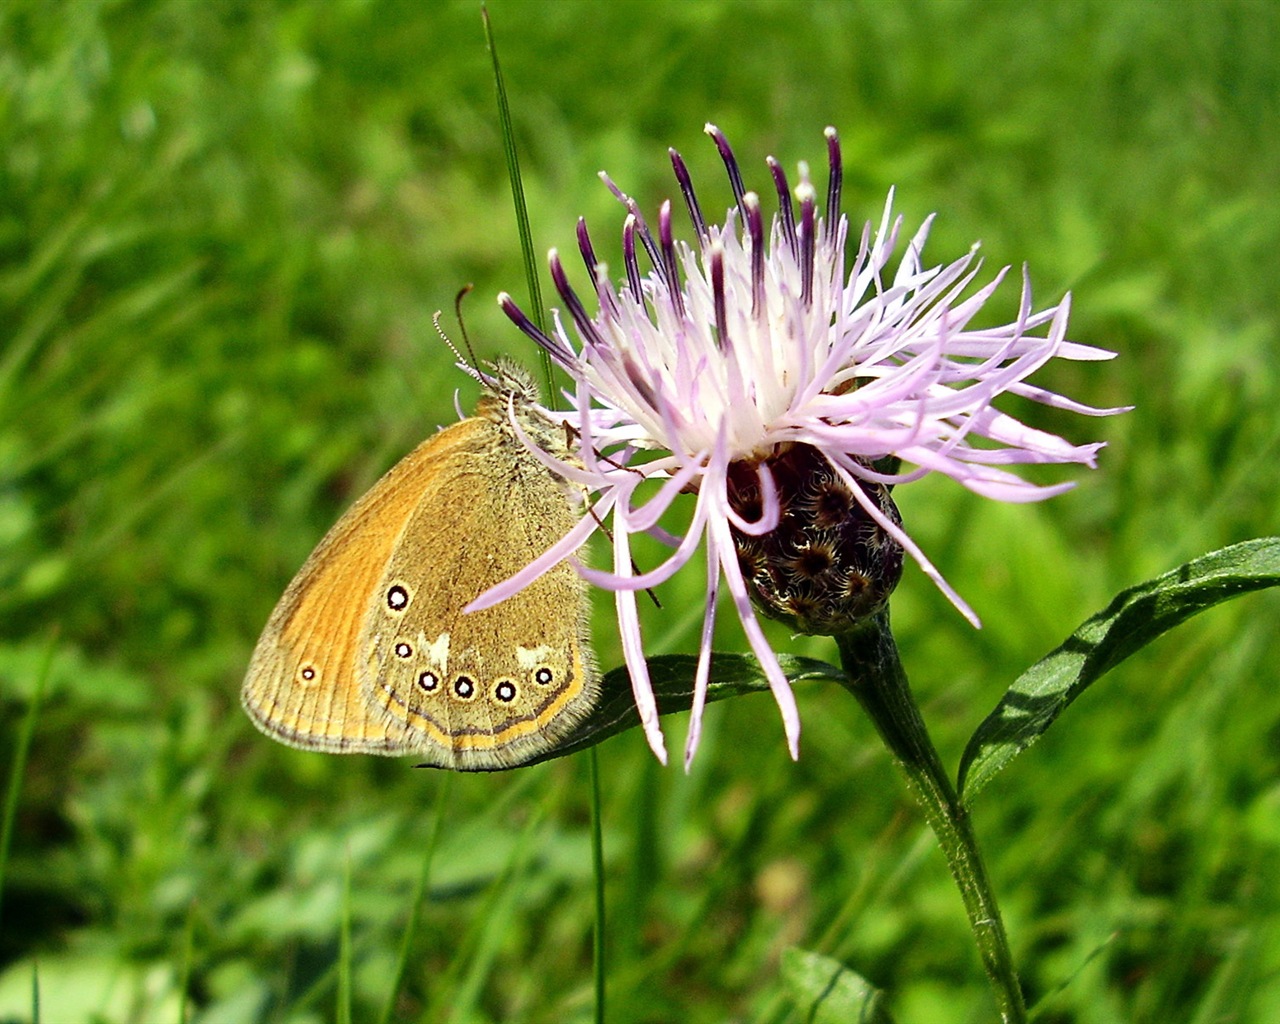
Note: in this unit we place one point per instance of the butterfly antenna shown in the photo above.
(468, 362)
(463, 292)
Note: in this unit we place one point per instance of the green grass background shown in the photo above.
(224, 227)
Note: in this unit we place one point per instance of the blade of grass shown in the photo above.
(517, 187)
(633, 977)
(1044, 1003)
(539, 315)
(643, 861)
(597, 865)
(343, 1010)
(188, 954)
(23, 746)
(493, 924)
(416, 903)
(327, 979)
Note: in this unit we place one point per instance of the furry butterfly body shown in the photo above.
(368, 651)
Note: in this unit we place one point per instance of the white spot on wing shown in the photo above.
(532, 657)
(436, 652)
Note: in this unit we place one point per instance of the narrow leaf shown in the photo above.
(342, 1012)
(416, 903)
(825, 991)
(14, 790)
(1135, 618)
(599, 933)
(672, 678)
(508, 132)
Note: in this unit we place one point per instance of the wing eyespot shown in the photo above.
(398, 598)
(505, 691)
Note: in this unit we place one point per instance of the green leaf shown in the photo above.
(825, 991)
(1135, 618)
(672, 679)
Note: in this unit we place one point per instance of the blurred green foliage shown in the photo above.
(224, 227)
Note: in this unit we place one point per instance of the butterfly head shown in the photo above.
(506, 383)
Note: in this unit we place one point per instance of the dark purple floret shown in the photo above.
(785, 210)
(717, 293)
(586, 327)
(608, 305)
(730, 163)
(641, 228)
(553, 345)
(808, 216)
(835, 183)
(755, 229)
(586, 248)
(670, 269)
(686, 190)
(629, 259)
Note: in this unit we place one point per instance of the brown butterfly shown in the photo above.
(368, 651)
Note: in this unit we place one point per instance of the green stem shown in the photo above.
(876, 677)
(597, 863)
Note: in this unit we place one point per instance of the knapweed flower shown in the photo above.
(788, 388)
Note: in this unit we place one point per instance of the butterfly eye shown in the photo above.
(464, 687)
(397, 598)
(404, 650)
(428, 680)
(307, 673)
(543, 676)
(505, 691)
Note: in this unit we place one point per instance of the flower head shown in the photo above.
(781, 383)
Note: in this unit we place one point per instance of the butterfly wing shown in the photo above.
(368, 651)
(494, 688)
(302, 686)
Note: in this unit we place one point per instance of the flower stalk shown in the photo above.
(875, 676)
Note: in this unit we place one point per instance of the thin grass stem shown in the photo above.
(417, 901)
(23, 746)
(597, 864)
(188, 955)
(527, 251)
(342, 1012)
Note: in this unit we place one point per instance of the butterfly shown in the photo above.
(369, 651)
